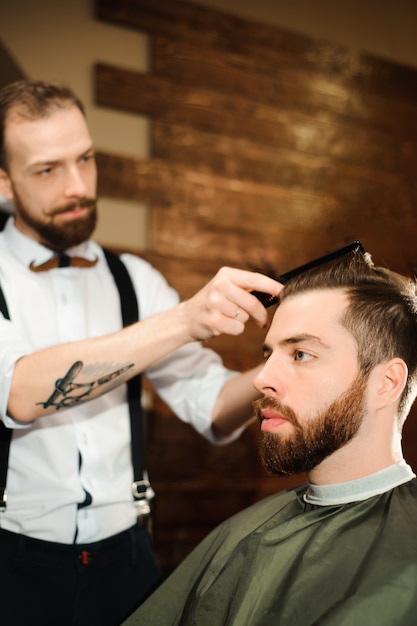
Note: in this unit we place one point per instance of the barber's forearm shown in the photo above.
(234, 405)
(62, 376)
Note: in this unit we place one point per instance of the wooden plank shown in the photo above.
(168, 184)
(133, 179)
(190, 22)
(286, 87)
(239, 228)
(187, 280)
(243, 159)
(239, 246)
(269, 45)
(238, 117)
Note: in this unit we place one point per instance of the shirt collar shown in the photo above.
(360, 489)
(27, 250)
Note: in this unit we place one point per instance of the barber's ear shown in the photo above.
(392, 380)
(5, 185)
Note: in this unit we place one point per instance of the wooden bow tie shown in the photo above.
(62, 260)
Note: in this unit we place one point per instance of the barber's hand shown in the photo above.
(225, 304)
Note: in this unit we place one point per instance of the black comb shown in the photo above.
(268, 300)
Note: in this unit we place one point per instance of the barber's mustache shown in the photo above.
(278, 407)
(88, 203)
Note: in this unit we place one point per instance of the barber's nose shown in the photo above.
(76, 185)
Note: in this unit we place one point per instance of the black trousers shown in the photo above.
(96, 584)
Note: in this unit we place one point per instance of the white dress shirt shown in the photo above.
(57, 459)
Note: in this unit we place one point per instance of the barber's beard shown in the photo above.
(309, 444)
(61, 236)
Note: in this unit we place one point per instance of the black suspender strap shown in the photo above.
(3, 306)
(5, 433)
(130, 314)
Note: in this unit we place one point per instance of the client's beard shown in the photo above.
(309, 444)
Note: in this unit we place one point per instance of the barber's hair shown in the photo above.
(381, 313)
(32, 100)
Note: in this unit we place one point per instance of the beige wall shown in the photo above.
(61, 40)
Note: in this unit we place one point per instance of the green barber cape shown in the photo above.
(284, 562)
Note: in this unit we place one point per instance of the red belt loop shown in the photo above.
(85, 557)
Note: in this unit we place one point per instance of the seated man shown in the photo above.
(338, 382)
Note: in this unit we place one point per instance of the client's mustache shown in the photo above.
(274, 405)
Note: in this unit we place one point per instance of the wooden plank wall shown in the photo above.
(268, 149)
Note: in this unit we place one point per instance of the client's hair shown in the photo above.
(381, 314)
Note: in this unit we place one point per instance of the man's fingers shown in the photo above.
(250, 281)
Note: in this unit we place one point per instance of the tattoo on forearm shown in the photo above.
(69, 393)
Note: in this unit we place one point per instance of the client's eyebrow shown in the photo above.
(303, 337)
(289, 341)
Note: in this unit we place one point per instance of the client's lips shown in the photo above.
(271, 420)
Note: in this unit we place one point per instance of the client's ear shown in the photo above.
(391, 380)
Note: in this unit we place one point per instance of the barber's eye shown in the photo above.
(45, 171)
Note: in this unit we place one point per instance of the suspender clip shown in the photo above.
(139, 490)
(3, 499)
